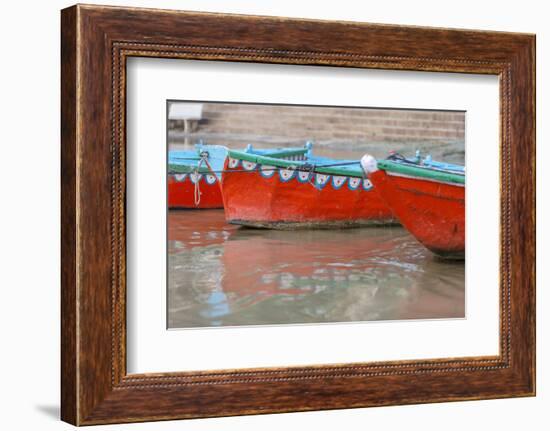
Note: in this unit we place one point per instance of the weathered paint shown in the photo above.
(182, 189)
(281, 159)
(184, 166)
(194, 182)
(432, 210)
(428, 172)
(282, 197)
(188, 161)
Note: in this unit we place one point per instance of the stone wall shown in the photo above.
(330, 127)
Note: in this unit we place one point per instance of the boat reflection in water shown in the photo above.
(223, 275)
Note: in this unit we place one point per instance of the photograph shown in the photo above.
(299, 214)
(261, 210)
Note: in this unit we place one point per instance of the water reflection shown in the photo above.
(224, 275)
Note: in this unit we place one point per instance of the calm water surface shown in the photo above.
(225, 275)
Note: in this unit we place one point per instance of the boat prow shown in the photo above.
(193, 178)
(428, 199)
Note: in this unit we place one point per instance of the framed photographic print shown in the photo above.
(266, 215)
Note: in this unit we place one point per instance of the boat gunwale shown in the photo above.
(295, 164)
(174, 169)
(424, 172)
(188, 165)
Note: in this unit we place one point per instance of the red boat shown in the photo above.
(184, 192)
(193, 177)
(292, 189)
(428, 200)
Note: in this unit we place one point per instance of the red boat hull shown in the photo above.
(432, 211)
(182, 191)
(276, 200)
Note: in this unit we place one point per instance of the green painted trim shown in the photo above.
(421, 172)
(174, 168)
(186, 169)
(285, 153)
(281, 163)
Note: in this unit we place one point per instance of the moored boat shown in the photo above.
(193, 177)
(288, 189)
(427, 197)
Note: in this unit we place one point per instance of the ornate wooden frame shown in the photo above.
(95, 42)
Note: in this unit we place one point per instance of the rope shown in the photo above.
(197, 191)
(303, 168)
(306, 167)
(400, 157)
(213, 172)
(356, 162)
(311, 177)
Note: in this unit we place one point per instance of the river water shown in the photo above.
(225, 275)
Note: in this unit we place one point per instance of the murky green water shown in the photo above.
(224, 275)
